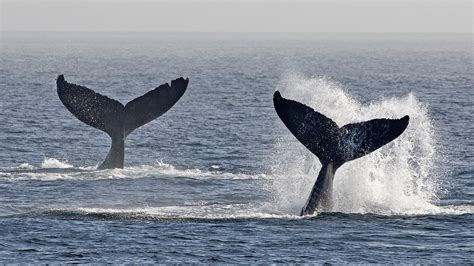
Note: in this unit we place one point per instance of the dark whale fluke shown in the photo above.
(333, 145)
(112, 117)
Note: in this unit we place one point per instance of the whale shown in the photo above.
(332, 144)
(115, 119)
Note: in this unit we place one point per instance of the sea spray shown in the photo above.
(398, 178)
(55, 163)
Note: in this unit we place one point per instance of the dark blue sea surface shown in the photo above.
(219, 178)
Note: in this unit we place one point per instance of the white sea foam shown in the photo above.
(214, 211)
(48, 170)
(25, 166)
(161, 168)
(236, 211)
(397, 178)
(55, 163)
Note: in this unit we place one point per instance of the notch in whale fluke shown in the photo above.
(333, 145)
(115, 119)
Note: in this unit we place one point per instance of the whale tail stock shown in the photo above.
(115, 119)
(333, 145)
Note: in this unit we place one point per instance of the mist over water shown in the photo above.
(219, 178)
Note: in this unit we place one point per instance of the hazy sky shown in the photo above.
(238, 16)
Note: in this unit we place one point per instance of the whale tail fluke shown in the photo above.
(115, 119)
(331, 143)
(153, 104)
(359, 139)
(90, 107)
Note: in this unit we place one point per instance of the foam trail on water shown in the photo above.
(398, 178)
(54, 169)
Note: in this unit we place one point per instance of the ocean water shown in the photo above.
(218, 178)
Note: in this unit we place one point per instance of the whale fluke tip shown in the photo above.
(404, 121)
(180, 82)
(60, 79)
(277, 95)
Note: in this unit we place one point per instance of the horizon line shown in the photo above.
(236, 32)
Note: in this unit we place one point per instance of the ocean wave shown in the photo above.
(224, 213)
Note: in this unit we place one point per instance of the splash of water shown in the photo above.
(397, 178)
(55, 163)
